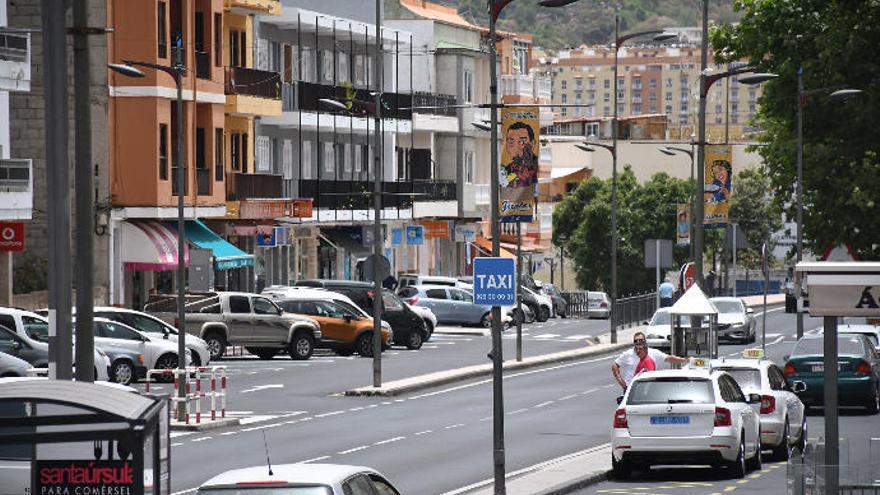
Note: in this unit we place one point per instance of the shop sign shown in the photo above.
(84, 477)
(415, 235)
(465, 232)
(257, 209)
(436, 229)
(11, 236)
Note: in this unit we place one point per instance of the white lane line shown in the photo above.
(572, 396)
(316, 459)
(452, 427)
(399, 400)
(332, 413)
(423, 433)
(356, 449)
(176, 444)
(544, 404)
(546, 336)
(511, 413)
(175, 434)
(390, 440)
(228, 433)
(355, 409)
(257, 419)
(262, 387)
(201, 439)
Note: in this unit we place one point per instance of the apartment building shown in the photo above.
(652, 80)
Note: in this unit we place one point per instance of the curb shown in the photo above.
(208, 425)
(590, 479)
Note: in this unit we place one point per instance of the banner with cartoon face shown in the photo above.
(518, 177)
(717, 186)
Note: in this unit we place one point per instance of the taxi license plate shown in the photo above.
(820, 368)
(670, 420)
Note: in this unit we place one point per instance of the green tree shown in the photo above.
(835, 43)
(756, 213)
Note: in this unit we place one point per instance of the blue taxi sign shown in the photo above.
(494, 281)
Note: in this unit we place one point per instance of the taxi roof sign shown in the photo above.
(756, 353)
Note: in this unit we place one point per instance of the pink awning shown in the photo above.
(149, 245)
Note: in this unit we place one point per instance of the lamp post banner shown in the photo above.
(518, 176)
(683, 225)
(718, 174)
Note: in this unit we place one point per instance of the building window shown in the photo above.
(718, 109)
(564, 84)
(468, 167)
(606, 84)
(263, 162)
(329, 159)
(287, 159)
(235, 151)
(233, 48)
(564, 98)
(668, 82)
(218, 40)
(347, 159)
(245, 159)
(242, 48)
(668, 109)
(306, 160)
(161, 30)
(734, 113)
(579, 83)
(468, 93)
(218, 154)
(620, 109)
(637, 109)
(163, 151)
(357, 159)
(606, 111)
(652, 83)
(200, 148)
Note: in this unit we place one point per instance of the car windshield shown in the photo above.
(660, 318)
(265, 490)
(847, 345)
(871, 336)
(671, 390)
(745, 377)
(729, 306)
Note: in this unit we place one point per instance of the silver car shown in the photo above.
(449, 304)
(735, 319)
(13, 366)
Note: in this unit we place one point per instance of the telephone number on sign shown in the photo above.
(494, 297)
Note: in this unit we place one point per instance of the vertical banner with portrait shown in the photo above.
(717, 186)
(519, 164)
(683, 225)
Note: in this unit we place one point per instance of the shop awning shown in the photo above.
(226, 255)
(485, 247)
(149, 245)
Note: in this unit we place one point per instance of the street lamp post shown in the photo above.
(176, 71)
(672, 151)
(836, 92)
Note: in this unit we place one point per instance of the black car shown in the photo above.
(560, 306)
(404, 321)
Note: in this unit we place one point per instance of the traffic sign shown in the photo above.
(11, 236)
(494, 281)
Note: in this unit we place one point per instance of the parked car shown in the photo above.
(560, 305)
(687, 416)
(658, 332)
(239, 318)
(783, 418)
(126, 366)
(735, 319)
(153, 326)
(13, 366)
(299, 479)
(598, 305)
(342, 329)
(428, 316)
(451, 305)
(33, 332)
(858, 371)
(407, 279)
(403, 320)
(541, 305)
(157, 352)
(870, 331)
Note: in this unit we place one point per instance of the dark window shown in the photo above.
(244, 153)
(233, 151)
(161, 32)
(218, 154)
(200, 147)
(35, 328)
(264, 307)
(163, 151)
(383, 487)
(199, 32)
(233, 48)
(218, 36)
(243, 47)
(777, 381)
(436, 293)
(7, 321)
(144, 323)
(8, 340)
(358, 485)
(116, 331)
(745, 377)
(407, 292)
(671, 390)
(239, 304)
(735, 390)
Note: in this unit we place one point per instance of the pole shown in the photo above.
(58, 189)
(832, 436)
(657, 269)
(497, 358)
(377, 207)
(181, 237)
(519, 291)
(85, 208)
(701, 153)
(766, 287)
(734, 259)
(614, 188)
(693, 201)
(799, 185)
(562, 267)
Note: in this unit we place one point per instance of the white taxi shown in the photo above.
(685, 417)
(783, 422)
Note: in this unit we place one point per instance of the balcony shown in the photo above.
(16, 190)
(355, 195)
(543, 87)
(271, 7)
(203, 65)
(394, 105)
(203, 180)
(517, 86)
(15, 62)
(252, 92)
(442, 102)
(256, 186)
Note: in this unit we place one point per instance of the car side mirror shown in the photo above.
(754, 399)
(165, 333)
(619, 399)
(799, 386)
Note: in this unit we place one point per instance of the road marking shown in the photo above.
(201, 439)
(356, 449)
(544, 404)
(423, 433)
(730, 488)
(390, 440)
(511, 413)
(332, 413)
(262, 387)
(175, 434)
(182, 492)
(176, 444)
(355, 409)
(256, 419)
(316, 459)
(228, 433)
(452, 427)
(572, 396)
(546, 336)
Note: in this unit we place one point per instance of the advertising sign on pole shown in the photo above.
(86, 476)
(717, 187)
(436, 229)
(520, 131)
(465, 232)
(683, 225)
(11, 236)
(493, 281)
(415, 235)
(396, 236)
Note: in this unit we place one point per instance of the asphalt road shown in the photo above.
(857, 448)
(429, 442)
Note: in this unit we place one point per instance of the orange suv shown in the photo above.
(342, 329)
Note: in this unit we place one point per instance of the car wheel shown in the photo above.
(262, 352)
(415, 340)
(738, 468)
(301, 347)
(755, 462)
(195, 360)
(543, 314)
(122, 372)
(166, 362)
(216, 345)
(429, 330)
(486, 320)
(518, 317)
(620, 470)
(364, 344)
(783, 451)
(874, 402)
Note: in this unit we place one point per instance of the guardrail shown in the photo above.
(633, 310)
(193, 377)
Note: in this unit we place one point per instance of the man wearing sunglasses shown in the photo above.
(640, 356)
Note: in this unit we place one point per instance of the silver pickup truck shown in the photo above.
(238, 318)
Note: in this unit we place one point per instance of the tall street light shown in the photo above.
(707, 79)
(672, 151)
(659, 35)
(837, 92)
(176, 71)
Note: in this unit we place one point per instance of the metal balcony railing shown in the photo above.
(252, 82)
(440, 101)
(257, 186)
(355, 195)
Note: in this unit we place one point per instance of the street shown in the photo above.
(439, 440)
